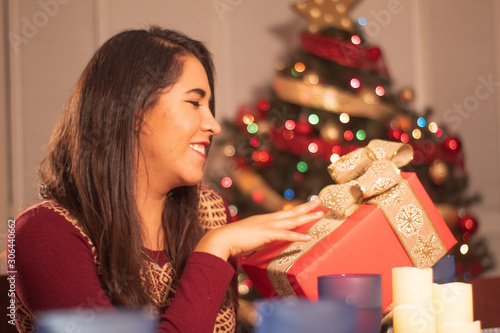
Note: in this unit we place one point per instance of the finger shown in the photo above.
(291, 236)
(299, 210)
(296, 221)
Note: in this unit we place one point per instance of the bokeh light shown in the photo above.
(344, 118)
(405, 138)
(313, 119)
(248, 119)
(226, 182)
(464, 248)
(452, 144)
(254, 142)
(311, 78)
(355, 39)
(421, 122)
(355, 83)
(299, 67)
(229, 150)
(289, 194)
(264, 105)
(288, 135)
(433, 127)
(361, 135)
(280, 65)
(417, 134)
(289, 124)
(313, 147)
(302, 166)
(252, 128)
(380, 91)
(233, 210)
(312, 197)
(334, 158)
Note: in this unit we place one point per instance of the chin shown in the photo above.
(193, 181)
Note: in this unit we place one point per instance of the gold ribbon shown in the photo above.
(368, 175)
(324, 97)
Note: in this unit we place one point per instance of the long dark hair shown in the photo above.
(90, 166)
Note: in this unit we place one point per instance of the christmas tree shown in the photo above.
(330, 97)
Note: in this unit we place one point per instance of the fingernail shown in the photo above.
(320, 213)
(308, 237)
(317, 200)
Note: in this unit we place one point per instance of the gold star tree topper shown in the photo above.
(326, 13)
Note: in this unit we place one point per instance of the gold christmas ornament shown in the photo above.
(407, 95)
(329, 132)
(404, 123)
(264, 126)
(326, 13)
(439, 172)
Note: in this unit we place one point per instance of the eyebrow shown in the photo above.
(199, 91)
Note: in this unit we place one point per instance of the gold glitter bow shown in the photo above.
(364, 173)
(368, 175)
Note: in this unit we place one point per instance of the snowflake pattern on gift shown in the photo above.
(317, 232)
(383, 184)
(349, 161)
(289, 255)
(336, 199)
(409, 220)
(379, 153)
(392, 197)
(426, 250)
(375, 169)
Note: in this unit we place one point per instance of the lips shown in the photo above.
(199, 147)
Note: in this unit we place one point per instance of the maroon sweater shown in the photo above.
(57, 268)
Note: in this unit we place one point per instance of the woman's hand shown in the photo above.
(253, 233)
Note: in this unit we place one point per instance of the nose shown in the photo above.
(209, 123)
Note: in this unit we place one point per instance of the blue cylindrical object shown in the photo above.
(363, 291)
(443, 270)
(295, 315)
(96, 321)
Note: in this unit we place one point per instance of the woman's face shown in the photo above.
(176, 132)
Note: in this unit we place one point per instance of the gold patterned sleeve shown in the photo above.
(213, 212)
(212, 209)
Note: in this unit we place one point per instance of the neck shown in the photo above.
(150, 206)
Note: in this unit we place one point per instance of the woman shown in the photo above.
(125, 221)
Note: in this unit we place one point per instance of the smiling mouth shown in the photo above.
(199, 148)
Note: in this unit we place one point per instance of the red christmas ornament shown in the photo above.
(303, 127)
(374, 53)
(264, 105)
(468, 224)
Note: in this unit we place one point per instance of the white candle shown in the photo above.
(452, 302)
(460, 327)
(412, 285)
(409, 318)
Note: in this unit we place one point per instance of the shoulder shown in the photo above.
(212, 209)
(49, 220)
(45, 215)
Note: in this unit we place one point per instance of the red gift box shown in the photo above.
(365, 243)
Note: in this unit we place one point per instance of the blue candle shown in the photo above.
(295, 315)
(443, 271)
(363, 291)
(93, 321)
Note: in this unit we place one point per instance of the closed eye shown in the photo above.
(195, 103)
